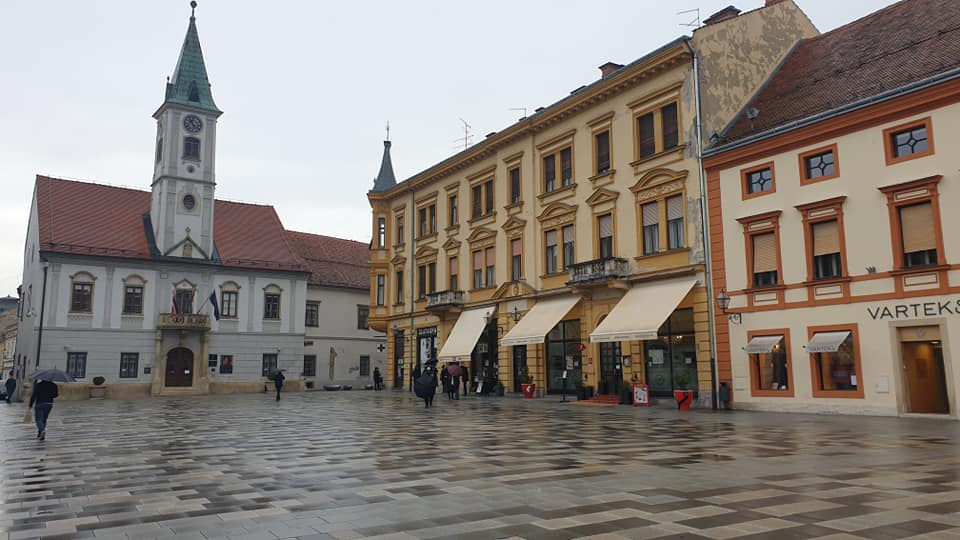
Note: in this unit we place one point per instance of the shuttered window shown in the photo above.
(477, 269)
(826, 250)
(675, 222)
(651, 228)
(764, 260)
(490, 258)
(516, 261)
(551, 251)
(605, 225)
(569, 257)
(454, 273)
(918, 233)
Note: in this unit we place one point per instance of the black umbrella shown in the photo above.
(54, 375)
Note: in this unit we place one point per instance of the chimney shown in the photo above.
(724, 14)
(607, 69)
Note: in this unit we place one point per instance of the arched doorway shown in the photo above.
(179, 367)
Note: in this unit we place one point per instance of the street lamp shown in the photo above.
(723, 301)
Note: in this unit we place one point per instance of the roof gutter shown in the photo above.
(832, 113)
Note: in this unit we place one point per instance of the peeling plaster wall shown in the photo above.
(738, 55)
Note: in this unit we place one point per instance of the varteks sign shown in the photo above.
(920, 309)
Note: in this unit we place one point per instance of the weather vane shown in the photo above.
(193, 7)
(388, 130)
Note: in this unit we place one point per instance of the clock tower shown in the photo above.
(181, 208)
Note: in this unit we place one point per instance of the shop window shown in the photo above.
(835, 361)
(563, 350)
(908, 141)
(770, 366)
(672, 357)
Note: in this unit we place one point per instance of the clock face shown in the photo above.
(192, 123)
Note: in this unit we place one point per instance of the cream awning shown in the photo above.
(826, 341)
(535, 325)
(640, 313)
(762, 344)
(465, 334)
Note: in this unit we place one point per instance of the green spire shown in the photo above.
(189, 85)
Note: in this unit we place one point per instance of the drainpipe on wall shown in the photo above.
(705, 233)
(413, 293)
(43, 304)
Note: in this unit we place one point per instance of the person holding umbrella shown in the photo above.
(453, 373)
(44, 392)
(425, 386)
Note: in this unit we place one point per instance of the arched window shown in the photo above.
(191, 148)
(81, 293)
(229, 298)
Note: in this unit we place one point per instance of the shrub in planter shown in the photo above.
(682, 393)
(526, 383)
(98, 391)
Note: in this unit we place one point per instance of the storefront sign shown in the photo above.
(922, 309)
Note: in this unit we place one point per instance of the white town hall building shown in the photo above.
(125, 281)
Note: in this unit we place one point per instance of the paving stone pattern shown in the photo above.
(377, 465)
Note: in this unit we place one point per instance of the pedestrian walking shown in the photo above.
(10, 386)
(453, 373)
(445, 380)
(377, 379)
(41, 400)
(425, 386)
(465, 377)
(278, 382)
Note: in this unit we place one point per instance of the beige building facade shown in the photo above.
(571, 242)
(830, 210)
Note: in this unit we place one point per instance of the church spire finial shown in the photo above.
(193, 8)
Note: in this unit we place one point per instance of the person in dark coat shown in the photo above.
(465, 377)
(453, 372)
(278, 382)
(10, 386)
(377, 379)
(445, 380)
(426, 384)
(41, 399)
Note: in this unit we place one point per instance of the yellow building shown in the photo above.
(571, 241)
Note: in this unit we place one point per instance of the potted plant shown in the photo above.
(681, 390)
(499, 388)
(526, 383)
(98, 391)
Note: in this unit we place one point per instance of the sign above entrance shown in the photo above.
(940, 308)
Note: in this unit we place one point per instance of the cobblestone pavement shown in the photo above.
(377, 465)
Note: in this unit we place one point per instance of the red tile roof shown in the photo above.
(94, 219)
(333, 262)
(900, 44)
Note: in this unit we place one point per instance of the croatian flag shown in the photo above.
(175, 310)
(216, 307)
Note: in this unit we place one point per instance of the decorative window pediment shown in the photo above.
(134, 279)
(514, 224)
(557, 213)
(398, 260)
(658, 182)
(184, 284)
(426, 252)
(603, 196)
(480, 234)
(452, 244)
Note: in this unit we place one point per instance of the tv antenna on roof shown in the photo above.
(467, 136)
(695, 23)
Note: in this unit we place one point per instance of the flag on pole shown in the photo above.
(175, 310)
(216, 307)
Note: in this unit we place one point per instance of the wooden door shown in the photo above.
(179, 367)
(925, 378)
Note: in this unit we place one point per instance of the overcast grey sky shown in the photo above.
(306, 88)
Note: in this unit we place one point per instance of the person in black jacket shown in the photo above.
(278, 382)
(41, 399)
(10, 386)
